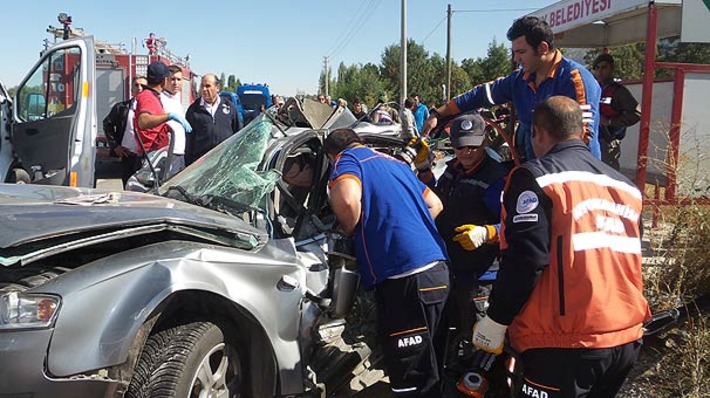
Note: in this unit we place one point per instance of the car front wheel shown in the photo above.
(186, 361)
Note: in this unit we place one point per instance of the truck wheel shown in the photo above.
(18, 176)
(186, 361)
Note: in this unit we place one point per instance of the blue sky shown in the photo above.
(279, 42)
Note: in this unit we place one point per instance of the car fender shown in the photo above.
(98, 322)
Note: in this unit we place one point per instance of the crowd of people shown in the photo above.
(154, 119)
(564, 225)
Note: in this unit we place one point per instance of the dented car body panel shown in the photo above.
(227, 240)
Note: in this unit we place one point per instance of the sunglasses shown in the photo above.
(463, 148)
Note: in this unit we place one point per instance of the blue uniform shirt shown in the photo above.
(566, 78)
(396, 233)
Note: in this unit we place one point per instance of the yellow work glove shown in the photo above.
(471, 237)
(489, 336)
(421, 161)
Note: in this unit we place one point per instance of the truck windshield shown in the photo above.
(252, 102)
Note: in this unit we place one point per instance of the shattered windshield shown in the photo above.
(226, 178)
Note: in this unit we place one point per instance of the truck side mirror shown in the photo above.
(35, 106)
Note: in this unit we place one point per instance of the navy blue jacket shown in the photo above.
(208, 132)
(470, 198)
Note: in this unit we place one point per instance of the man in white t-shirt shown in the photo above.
(172, 102)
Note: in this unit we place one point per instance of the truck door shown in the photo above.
(54, 116)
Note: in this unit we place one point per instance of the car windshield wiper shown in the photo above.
(222, 204)
(213, 202)
(188, 197)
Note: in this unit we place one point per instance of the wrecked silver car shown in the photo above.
(228, 283)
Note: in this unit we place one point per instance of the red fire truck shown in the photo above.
(49, 131)
(115, 68)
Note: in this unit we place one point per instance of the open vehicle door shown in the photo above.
(54, 117)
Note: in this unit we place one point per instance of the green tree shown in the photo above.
(370, 84)
(474, 69)
(357, 81)
(420, 70)
(222, 79)
(692, 53)
(497, 63)
(460, 81)
(494, 65)
(628, 60)
(232, 83)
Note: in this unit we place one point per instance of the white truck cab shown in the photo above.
(48, 130)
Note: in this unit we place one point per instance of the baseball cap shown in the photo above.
(603, 58)
(157, 71)
(468, 130)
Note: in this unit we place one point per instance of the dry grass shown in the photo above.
(681, 247)
(677, 274)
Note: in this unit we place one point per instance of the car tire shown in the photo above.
(18, 176)
(190, 360)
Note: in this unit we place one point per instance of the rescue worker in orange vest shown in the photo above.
(569, 291)
(618, 108)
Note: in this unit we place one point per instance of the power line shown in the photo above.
(372, 6)
(433, 30)
(498, 10)
(474, 11)
(343, 33)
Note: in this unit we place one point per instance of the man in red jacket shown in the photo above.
(618, 108)
(150, 121)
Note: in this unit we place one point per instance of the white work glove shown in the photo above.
(489, 336)
(178, 118)
(471, 237)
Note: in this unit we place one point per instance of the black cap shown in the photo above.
(468, 130)
(157, 71)
(603, 58)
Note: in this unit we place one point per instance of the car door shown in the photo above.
(54, 116)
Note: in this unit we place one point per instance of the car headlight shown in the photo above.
(27, 311)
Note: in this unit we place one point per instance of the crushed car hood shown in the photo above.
(31, 213)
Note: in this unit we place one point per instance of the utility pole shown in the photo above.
(403, 81)
(449, 13)
(327, 78)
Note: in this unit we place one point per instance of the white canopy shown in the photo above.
(608, 23)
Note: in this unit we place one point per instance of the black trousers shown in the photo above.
(409, 311)
(589, 373)
(611, 152)
(129, 165)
